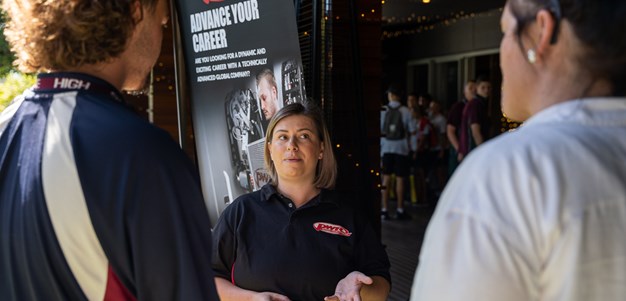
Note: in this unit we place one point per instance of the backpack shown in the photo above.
(393, 126)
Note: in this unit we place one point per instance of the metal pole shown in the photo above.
(179, 77)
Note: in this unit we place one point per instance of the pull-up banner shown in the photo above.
(243, 63)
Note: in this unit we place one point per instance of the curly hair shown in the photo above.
(50, 35)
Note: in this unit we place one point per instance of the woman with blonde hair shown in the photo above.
(295, 238)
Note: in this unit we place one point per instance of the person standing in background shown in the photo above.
(420, 154)
(474, 129)
(483, 92)
(544, 215)
(95, 202)
(438, 148)
(483, 88)
(412, 100)
(453, 126)
(395, 125)
(423, 101)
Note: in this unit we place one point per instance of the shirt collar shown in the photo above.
(74, 81)
(268, 191)
(604, 111)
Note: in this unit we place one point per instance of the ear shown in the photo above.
(543, 32)
(137, 10)
(321, 151)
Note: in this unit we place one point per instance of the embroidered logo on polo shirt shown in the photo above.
(331, 229)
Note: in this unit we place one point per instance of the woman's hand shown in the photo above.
(230, 292)
(349, 288)
(269, 296)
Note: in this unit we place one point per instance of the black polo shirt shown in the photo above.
(263, 243)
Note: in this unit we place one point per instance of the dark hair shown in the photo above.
(481, 78)
(326, 173)
(599, 25)
(395, 89)
(426, 96)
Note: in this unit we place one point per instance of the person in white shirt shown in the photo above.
(540, 213)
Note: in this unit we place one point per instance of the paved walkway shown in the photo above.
(403, 240)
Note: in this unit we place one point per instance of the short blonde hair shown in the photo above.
(65, 34)
(326, 173)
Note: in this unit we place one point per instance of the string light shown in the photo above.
(344, 155)
(420, 24)
(508, 125)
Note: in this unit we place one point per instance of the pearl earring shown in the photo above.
(532, 56)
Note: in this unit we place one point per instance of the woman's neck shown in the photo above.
(563, 78)
(299, 193)
(557, 89)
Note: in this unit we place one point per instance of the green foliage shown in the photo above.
(6, 57)
(14, 84)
